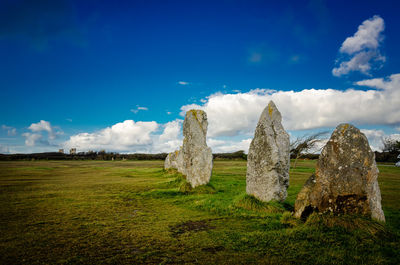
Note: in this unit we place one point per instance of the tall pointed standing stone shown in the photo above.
(194, 160)
(268, 160)
(345, 180)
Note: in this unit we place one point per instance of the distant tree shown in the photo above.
(390, 145)
(304, 144)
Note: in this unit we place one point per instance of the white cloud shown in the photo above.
(172, 130)
(127, 136)
(43, 126)
(233, 118)
(183, 83)
(226, 146)
(31, 138)
(237, 114)
(368, 36)
(131, 137)
(360, 62)
(139, 108)
(360, 53)
(11, 131)
(170, 139)
(375, 138)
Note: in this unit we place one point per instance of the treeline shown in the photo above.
(92, 155)
(102, 155)
(238, 155)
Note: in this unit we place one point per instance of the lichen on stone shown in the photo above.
(270, 110)
(346, 179)
(268, 161)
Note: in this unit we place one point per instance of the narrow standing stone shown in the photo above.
(196, 157)
(268, 160)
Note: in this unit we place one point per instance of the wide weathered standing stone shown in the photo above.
(346, 178)
(194, 159)
(268, 160)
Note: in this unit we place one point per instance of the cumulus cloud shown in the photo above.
(226, 146)
(368, 36)
(360, 52)
(170, 139)
(233, 118)
(171, 130)
(43, 126)
(124, 136)
(361, 62)
(237, 114)
(31, 138)
(11, 131)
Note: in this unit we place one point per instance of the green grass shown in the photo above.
(135, 212)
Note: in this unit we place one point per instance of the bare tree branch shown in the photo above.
(306, 143)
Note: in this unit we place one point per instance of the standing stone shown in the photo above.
(346, 178)
(268, 160)
(171, 160)
(195, 158)
(179, 161)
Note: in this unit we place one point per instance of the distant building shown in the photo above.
(61, 151)
(72, 151)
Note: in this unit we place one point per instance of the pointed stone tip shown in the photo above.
(343, 127)
(195, 111)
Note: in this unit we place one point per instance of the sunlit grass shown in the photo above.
(135, 212)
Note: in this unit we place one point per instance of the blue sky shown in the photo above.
(71, 70)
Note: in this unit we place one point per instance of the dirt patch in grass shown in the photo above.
(213, 250)
(191, 226)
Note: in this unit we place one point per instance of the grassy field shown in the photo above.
(133, 212)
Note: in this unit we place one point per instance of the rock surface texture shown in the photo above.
(171, 160)
(194, 158)
(268, 160)
(346, 178)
